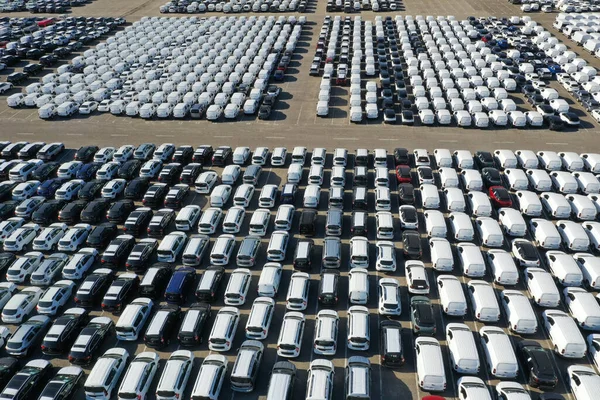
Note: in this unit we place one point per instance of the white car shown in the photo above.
(104, 155)
(386, 256)
(151, 169)
(21, 305)
(68, 191)
(408, 217)
(7, 290)
(49, 237)
(139, 376)
(88, 107)
(473, 388)
(10, 225)
(80, 263)
(24, 266)
(104, 106)
(5, 87)
(389, 297)
(25, 190)
(74, 237)
(21, 237)
(250, 106)
(55, 297)
(69, 169)
(114, 188)
(45, 273)
(231, 111)
(593, 342)
(416, 277)
(108, 171)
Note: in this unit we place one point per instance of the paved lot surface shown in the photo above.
(296, 124)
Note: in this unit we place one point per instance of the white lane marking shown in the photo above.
(74, 134)
(447, 141)
(558, 143)
(346, 138)
(273, 137)
(222, 136)
(165, 135)
(387, 139)
(117, 135)
(504, 142)
(25, 133)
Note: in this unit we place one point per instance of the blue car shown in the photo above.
(88, 171)
(503, 44)
(180, 285)
(49, 187)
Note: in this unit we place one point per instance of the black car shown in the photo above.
(484, 159)
(411, 241)
(12, 151)
(538, 365)
(155, 280)
(120, 210)
(202, 154)
(17, 77)
(90, 190)
(170, 173)
(63, 332)
(264, 112)
(48, 60)
(137, 221)
(176, 196)
(222, 156)
(93, 288)
(27, 381)
(117, 251)
(71, 212)
(162, 326)
(88, 171)
(101, 235)
(183, 155)
(139, 257)
(288, 193)
(9, 60)
(190, 172)
(406, 193)
(392, 351)
(209, 283)
(85, 153)
(155, 195)
(7, 208)
(422, 316)
(33, 69)
(47, 213)
(129, 169)
(94, 211)
(194, 324)
(45, 171)
(401, 156)
(8, 367)
(63, 386)
(136, 188)
(120, 292)
(554, 122)
(6, 189)
(160, 221)
(89, 340)
(30, 151)
(491, 177)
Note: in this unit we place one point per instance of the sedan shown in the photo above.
(88, 107)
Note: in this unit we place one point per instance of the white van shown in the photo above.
(471, 260)
(587, 182)
(359, 252)
(267, 196)
(452, 297)
(461, 226)
(463, 159)
(590, 267)
(132, 319)
(435, 224)
(220, 254)
(220, 195)
(270, 277)
(277, 248)
(582, 207)
(479, 203)
(441, 254)
(430, 196)
(209, 220)
(294, 173)
(519, 313)
(464, 357)
(170, 247)
(564, 334)
(443, 158)
(564, 268)
(430, 365)
(259, 222)
(312, 195)
(574, 237)
(583, 307)
(564, 182)
(544, 233)
(358, 285)
(471, 180)
(381, 176)
(284, 217)
(383, 199)
(210, 377)
(384, 222)
(489, 231)
(512, 222)
(318, 156)
(105, 374)
(516, 178)
(539, 180)
(455, 200)
(483, 299)
(499, 352)
(315, 175)
(448, 177)
(503, 267)
(541, 287)
(299, 155)
(529, 203)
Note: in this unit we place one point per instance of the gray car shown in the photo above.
(27, 335)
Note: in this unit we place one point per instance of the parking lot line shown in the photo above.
(558, 143)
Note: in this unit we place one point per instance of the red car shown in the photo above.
(403, 174)
(500, 196)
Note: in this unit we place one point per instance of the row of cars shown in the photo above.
(237, 6)
(446, 70)
(40, 6)
(223, 69)
(356, 6)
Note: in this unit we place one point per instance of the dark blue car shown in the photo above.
(49, 187)
(88, 171)
(180, 285)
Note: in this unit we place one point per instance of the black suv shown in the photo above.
(155, 195)
(85, 153)
(48, 212)
(155, 280)
(163, 325)
(94, 211)
(90, 190)
(93, 287)
(412, 244)
(537, 365)
(101, 235)
(160, 221)
(169, 174)
(120, 292)
(63, 332)
(193, 325)
(119, 211)
(202, 154)
(137, 221)
(117, 251)
(71, 212)
(136, 189)
(89, 340)
(222, 156)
